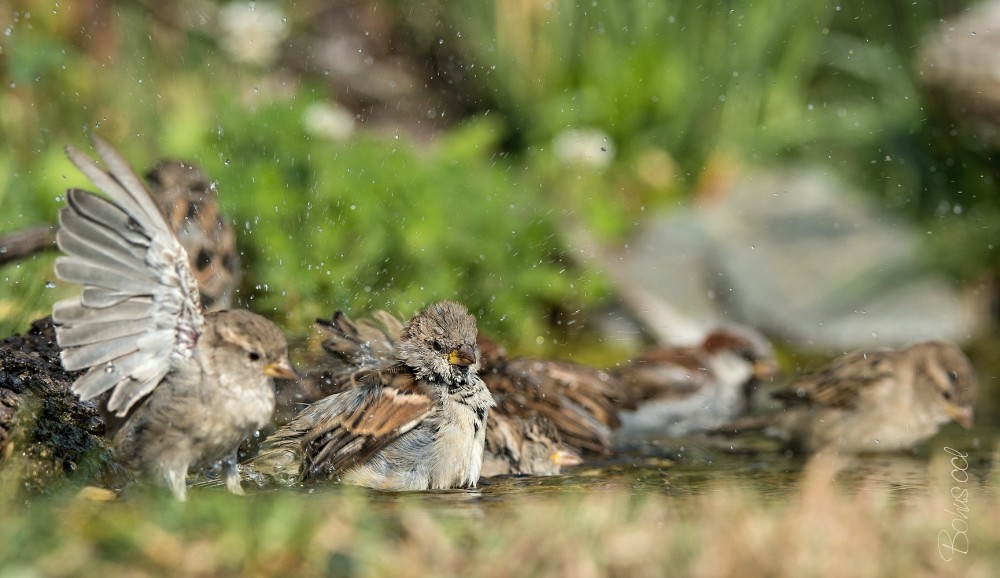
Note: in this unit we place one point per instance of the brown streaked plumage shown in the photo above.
(524, 444)
(416, 424)
(182, 388)
(189, 201)
(874, 401)
(518, 440)
(577, 399)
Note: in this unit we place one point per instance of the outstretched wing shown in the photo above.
(344, 429)
(139, 314)
(840, 384)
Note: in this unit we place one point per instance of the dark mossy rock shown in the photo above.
(48, 436)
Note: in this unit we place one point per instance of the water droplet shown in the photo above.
(50, 285)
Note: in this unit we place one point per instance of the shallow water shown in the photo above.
(697, 466)
(681, 468)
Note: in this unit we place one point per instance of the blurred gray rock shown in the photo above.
(797, 254)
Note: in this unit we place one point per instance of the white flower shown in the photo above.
(329, 121)
(584, 146)
(252, 32)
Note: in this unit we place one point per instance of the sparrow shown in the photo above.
(187, 198)
(519, 441)
(181, 389)
(676, 391)
(189, 201)
(524, 444)
(873, 401)
(415, 424)
(579, 400)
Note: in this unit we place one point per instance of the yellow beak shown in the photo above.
(962, 415)
(281, 369)
(766, 370)
(565, 457)
(463, 356)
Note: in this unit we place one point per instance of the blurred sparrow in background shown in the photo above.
(416, 424)
(873, 401)
(577, 399)
(182, 390)
(676, 391)
(190, 204)
(523, 443)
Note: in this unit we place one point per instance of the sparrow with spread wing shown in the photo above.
(181, 388)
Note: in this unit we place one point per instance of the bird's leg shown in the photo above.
(231, 474)
(176, 479)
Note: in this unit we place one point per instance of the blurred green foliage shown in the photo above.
(378, 221)
(375, 224)
(719, 85)
(694, 79)
(685, 93)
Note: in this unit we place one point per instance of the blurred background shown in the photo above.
(585, 176)
(589, 177)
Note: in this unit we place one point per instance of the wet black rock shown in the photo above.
(48, 436)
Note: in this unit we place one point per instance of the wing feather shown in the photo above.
(373, 419)
(139, 314)
(70, 310)
(83, 237)
(102, 330)
(93, 274)
(345, 429)
(841, 383)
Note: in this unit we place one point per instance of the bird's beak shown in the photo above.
(281, 369)
(463, 356)
(766, 369)
(565, 457)
(961, 414)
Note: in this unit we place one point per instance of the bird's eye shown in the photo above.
(437, 346)
(953, 377)
(253, 355)
(946, 395)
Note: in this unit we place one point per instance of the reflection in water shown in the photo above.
(688, 468)
(684, 469)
